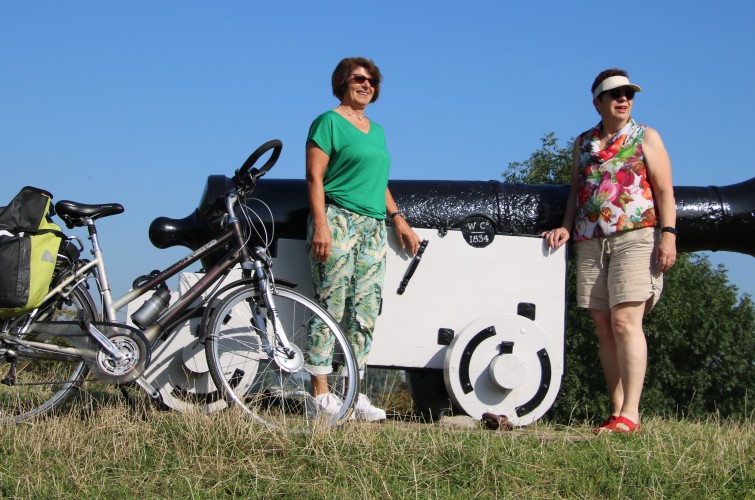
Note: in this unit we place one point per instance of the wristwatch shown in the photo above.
(669, 229)
(394, 214)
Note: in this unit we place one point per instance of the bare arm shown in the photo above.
(557, 237)
(317, 162)
(659, 172)
(406, 235)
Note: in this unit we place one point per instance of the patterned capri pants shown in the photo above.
(349, 285)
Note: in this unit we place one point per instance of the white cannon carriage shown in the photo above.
(480, 324)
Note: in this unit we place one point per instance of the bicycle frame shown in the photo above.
(237, 254)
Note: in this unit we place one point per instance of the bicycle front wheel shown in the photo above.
(252, 370)
(36, 382)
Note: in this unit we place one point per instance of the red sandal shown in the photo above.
(622, 425)
(607, 422)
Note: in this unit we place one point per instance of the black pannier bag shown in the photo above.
(29, 244)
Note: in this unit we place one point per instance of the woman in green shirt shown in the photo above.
(347, 184)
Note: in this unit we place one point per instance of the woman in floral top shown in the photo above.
(622, 214)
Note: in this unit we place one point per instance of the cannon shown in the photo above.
(479, 323)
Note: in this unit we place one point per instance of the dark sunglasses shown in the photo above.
(360, 79)
(622, 91)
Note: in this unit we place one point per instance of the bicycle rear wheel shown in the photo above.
(243, 364)
(36, 382)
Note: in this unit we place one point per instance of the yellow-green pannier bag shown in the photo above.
(29, 244)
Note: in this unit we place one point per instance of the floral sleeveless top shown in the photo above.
(614, 193)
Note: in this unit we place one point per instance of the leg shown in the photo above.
(369, 274)
(319, 384)
(592, 293)
(633, 286)
(608, 358)
(332, 284)
(631, 354)
(364, 306)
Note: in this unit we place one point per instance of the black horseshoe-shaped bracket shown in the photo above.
(466, 357)
(545, 378)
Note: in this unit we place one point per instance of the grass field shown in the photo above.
(113, 450)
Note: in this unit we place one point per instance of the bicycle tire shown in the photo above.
(250, 379)
(42, 383)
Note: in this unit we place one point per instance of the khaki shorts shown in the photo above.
(617, 269)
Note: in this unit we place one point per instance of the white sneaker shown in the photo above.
(365, 411)
(327, 405)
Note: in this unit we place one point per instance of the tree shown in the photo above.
(548, 165)
(701, 341)
(701, 338)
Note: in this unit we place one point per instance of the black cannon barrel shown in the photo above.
(717, 218)
(708, 218)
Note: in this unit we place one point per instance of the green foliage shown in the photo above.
(701, 337)
(701, 342)
(548, 165)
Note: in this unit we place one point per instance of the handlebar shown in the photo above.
(247, 176)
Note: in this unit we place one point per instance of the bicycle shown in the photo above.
(254, 329)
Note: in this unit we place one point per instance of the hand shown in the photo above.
(321, 243)
(665, 254)
(556, 237)
(406, 235)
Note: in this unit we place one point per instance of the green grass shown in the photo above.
(116, 451)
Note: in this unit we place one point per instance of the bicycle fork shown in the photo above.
(278, 338)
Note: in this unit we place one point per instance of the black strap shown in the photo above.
(412, 267)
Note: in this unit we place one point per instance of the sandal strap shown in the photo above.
(627, 425)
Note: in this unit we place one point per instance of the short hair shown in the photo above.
(343, 71)
(608, 73)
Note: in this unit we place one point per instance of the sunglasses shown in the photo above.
(360, 79)
(622, 91)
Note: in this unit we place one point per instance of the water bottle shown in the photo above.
(152, 307)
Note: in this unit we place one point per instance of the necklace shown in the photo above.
(358, 117)
(612, 145)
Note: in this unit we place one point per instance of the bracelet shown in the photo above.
(669, 229)
(394, 214)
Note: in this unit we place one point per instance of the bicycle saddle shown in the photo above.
(75, 214)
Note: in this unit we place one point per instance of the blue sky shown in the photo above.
(138, 102)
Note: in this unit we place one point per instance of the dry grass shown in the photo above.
(116, 451)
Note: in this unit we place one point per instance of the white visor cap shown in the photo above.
(614, 82)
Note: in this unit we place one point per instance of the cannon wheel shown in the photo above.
(428, 391)
(505, 364)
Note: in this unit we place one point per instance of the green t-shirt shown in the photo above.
(357, 174)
